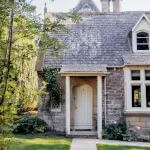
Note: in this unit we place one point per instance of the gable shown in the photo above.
(142, 24)
(86, 6)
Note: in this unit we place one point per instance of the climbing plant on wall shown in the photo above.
(51, 77)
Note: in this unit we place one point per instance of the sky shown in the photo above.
(66, 5)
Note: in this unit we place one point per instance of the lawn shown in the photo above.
(119, 147)
(39, 143)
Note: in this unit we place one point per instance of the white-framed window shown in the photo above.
(143, 41)
(141, 35)
(137, 89)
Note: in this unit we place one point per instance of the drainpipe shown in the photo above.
(105, 96)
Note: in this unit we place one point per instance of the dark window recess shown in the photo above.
(136, 96)
(142, 34)
(142, 41)
(147, 75)
(143, 47)
(135, 74)
(148, 96)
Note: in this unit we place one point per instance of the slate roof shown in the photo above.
(135, 59)
(83, 68)
(102, 38)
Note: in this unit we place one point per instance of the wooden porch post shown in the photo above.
(67, 105)
(99, 106)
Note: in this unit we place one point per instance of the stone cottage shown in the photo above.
(105, 72)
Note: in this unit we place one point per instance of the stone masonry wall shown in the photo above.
(139, 124)
(115, 95)
(114, 104)
(115, 99)
(55, 120)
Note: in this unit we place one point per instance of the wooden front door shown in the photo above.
(83, 108)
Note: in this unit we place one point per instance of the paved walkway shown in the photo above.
(83, 144)
(90, 144)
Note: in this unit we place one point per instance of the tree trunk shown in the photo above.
(10, 37)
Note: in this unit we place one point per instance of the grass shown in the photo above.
(24, 142)
(119, 147)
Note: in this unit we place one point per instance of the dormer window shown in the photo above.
(141, 35)
(143, 42)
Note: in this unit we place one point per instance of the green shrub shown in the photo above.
(129, 136)
(118, 132)
(30, 124)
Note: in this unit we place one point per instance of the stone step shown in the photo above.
(83, 134)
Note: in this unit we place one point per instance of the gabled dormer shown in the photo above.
(141, 35)
(86, 6)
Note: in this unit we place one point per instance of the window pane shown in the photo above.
(142, 40)
(147, 75)
(142, 34)
(136, 96)
(143, 47)
(135, 74)
(148, 96)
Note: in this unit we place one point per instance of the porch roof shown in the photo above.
(84, 69)
(137, 59)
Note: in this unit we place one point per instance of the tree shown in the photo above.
(19, 26)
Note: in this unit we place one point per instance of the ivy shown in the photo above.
(51, 77)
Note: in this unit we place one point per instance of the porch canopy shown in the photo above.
(84, 70)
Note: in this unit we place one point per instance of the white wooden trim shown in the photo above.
(127, 88)
(99, 106)
(143, 16)
(128, 91)
(142, 29)
(137, 111)
(84, 73)
(135, 42)
(67, 105)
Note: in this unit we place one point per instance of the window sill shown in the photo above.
(137, 112)
(142, 51)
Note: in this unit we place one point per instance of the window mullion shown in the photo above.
(143, 89)
(128, 91)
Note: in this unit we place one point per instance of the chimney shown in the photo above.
(117, 5)
(105, 5)
(45, 10)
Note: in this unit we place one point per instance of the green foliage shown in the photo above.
(129, 136)
(4, 143)
(30, 124)
(51, 77)
(118, 132)
(19, 27)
